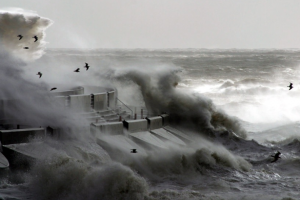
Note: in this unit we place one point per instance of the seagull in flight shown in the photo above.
(53, 88)
(36, 38)
(40, 74)
(276, 156)
(290, 86)
(87, 66)
(20, 37)
(77, 70)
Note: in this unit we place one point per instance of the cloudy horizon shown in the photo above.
(168, 24)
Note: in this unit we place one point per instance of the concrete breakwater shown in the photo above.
(104, 117)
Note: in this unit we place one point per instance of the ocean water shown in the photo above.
(234, 103)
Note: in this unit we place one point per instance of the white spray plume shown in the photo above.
(16, 22)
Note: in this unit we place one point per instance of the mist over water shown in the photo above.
(221, 98)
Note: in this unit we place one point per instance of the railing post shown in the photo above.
(142, 114)
(120, 118)
(92, 101)
(134, 115)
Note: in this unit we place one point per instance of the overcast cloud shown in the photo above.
(168, 23)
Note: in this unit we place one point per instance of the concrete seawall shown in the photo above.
(102, 117)
(16, 136)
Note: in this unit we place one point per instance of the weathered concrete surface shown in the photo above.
(53, 132)
(80, 103)
(100, 101)
(111, 128)
(148, 138)
(178, 133)
(136, 125)
(154, 122)
(22, 156)
(61, 100)
(168, 136)
(165, 119)
(118, 145)
(112, 99)
(21, 135)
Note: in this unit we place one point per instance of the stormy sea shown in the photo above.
(235, 105)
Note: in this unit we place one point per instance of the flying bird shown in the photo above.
(36, 38)
(276, 156)
(53, 88)
(26, 47)
(77, 70)
(133, 151)
(87, 66)
(40, 74)
(20, 37)
(290, 86)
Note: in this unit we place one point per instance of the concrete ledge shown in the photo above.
(20, 135)
(112, 128)
(75, 91)
(136, 125)
(154, 122)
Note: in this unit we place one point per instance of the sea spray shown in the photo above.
(22, 100)
(19, 22)
(68, 179)
(159, 92)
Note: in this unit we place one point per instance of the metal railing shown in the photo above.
(131, 111)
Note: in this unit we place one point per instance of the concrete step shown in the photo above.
(96, 119)
(89, 114)
(106, 112)
(113, 120)
(108, 117)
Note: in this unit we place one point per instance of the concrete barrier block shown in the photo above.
(53, 132)
(61, 100)
(111, 128)
(154, 122)
(136, 125)
(165, 119)
(100, 101)
(112, 99)
(80, 103)
(16, 136)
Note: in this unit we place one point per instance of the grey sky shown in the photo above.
(168, 23)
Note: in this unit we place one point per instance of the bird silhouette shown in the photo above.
(276, 156)
(26, 47)
(20, 37)
(290, 86)
(133, 151)
(40, 74)
(36, 38)
(77, 70)
(53, 88)
(87, 66)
